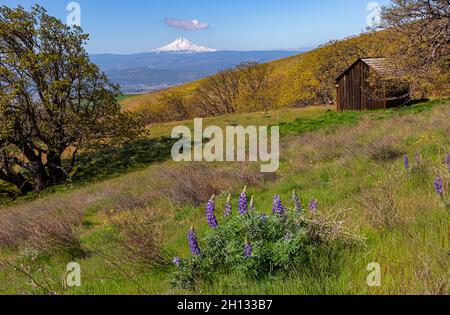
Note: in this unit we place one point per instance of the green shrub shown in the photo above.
(256, 245)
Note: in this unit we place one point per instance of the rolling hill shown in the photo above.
(292, 78)
(281, 67)
(177, 63)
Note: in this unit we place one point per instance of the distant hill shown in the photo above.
(283, 66)
(177, 63)
(294, 80)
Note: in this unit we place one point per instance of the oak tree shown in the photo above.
(53, 100)
(419, 31)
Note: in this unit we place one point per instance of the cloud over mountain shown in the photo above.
(188, 25)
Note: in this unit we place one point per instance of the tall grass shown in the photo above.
(358, 167)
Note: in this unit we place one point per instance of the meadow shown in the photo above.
(124, 229)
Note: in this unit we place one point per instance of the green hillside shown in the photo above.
(351, 163)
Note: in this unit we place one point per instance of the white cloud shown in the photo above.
(188, 25)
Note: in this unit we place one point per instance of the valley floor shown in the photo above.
(352, 163)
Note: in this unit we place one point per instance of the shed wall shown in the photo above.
(353, 90)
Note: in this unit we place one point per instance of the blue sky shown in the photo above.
(141, 25)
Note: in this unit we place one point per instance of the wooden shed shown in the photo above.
(370, 83)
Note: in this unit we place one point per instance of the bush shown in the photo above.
(195, 183)
(139, 238)
(55, 232)
(43, 227)
(383, 149)
(255, 245)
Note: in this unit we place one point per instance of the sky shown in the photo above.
(135, 26)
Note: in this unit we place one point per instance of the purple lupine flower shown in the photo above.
(248, 249)
(439, 186)
(406, 161)
(313, 206)
(296, 201)
(227, 211)
(210, 217)
(417, 158)
(243, 206)
(447, 161)
(263, 217)
(252, 204)
(176, 261)
(193, 242)
(277, 207)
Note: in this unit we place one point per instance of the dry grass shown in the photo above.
(380, 202)
(55, 231)
(196, 183)
(139, 236)
(54, 222)
(377, 140)
(43, 231)
(382, 149)
(332, 227)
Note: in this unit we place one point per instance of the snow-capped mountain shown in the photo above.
(174, 64)
(182, 45)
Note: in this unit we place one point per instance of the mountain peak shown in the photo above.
(183, 45)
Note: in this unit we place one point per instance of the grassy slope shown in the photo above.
(142, 100)
(125, 97)
(286, 115)
(326, 163)
(111, 164)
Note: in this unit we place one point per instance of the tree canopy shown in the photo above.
(53, 100)
(420, 31)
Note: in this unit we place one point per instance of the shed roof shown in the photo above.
(382, 66)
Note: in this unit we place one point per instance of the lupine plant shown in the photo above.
(248, 249)
(313, 205)
(176, 261)
(263, 217)
(417, 158)
(277, 207)
(439, 186)
(406, 161)
(228, 208)
(193, 242)
(243, 206)
(258, 244)
(296, 201)
(210, 216)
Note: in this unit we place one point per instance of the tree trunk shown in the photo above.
(41, 177)
(37, 167)
(55, 168)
